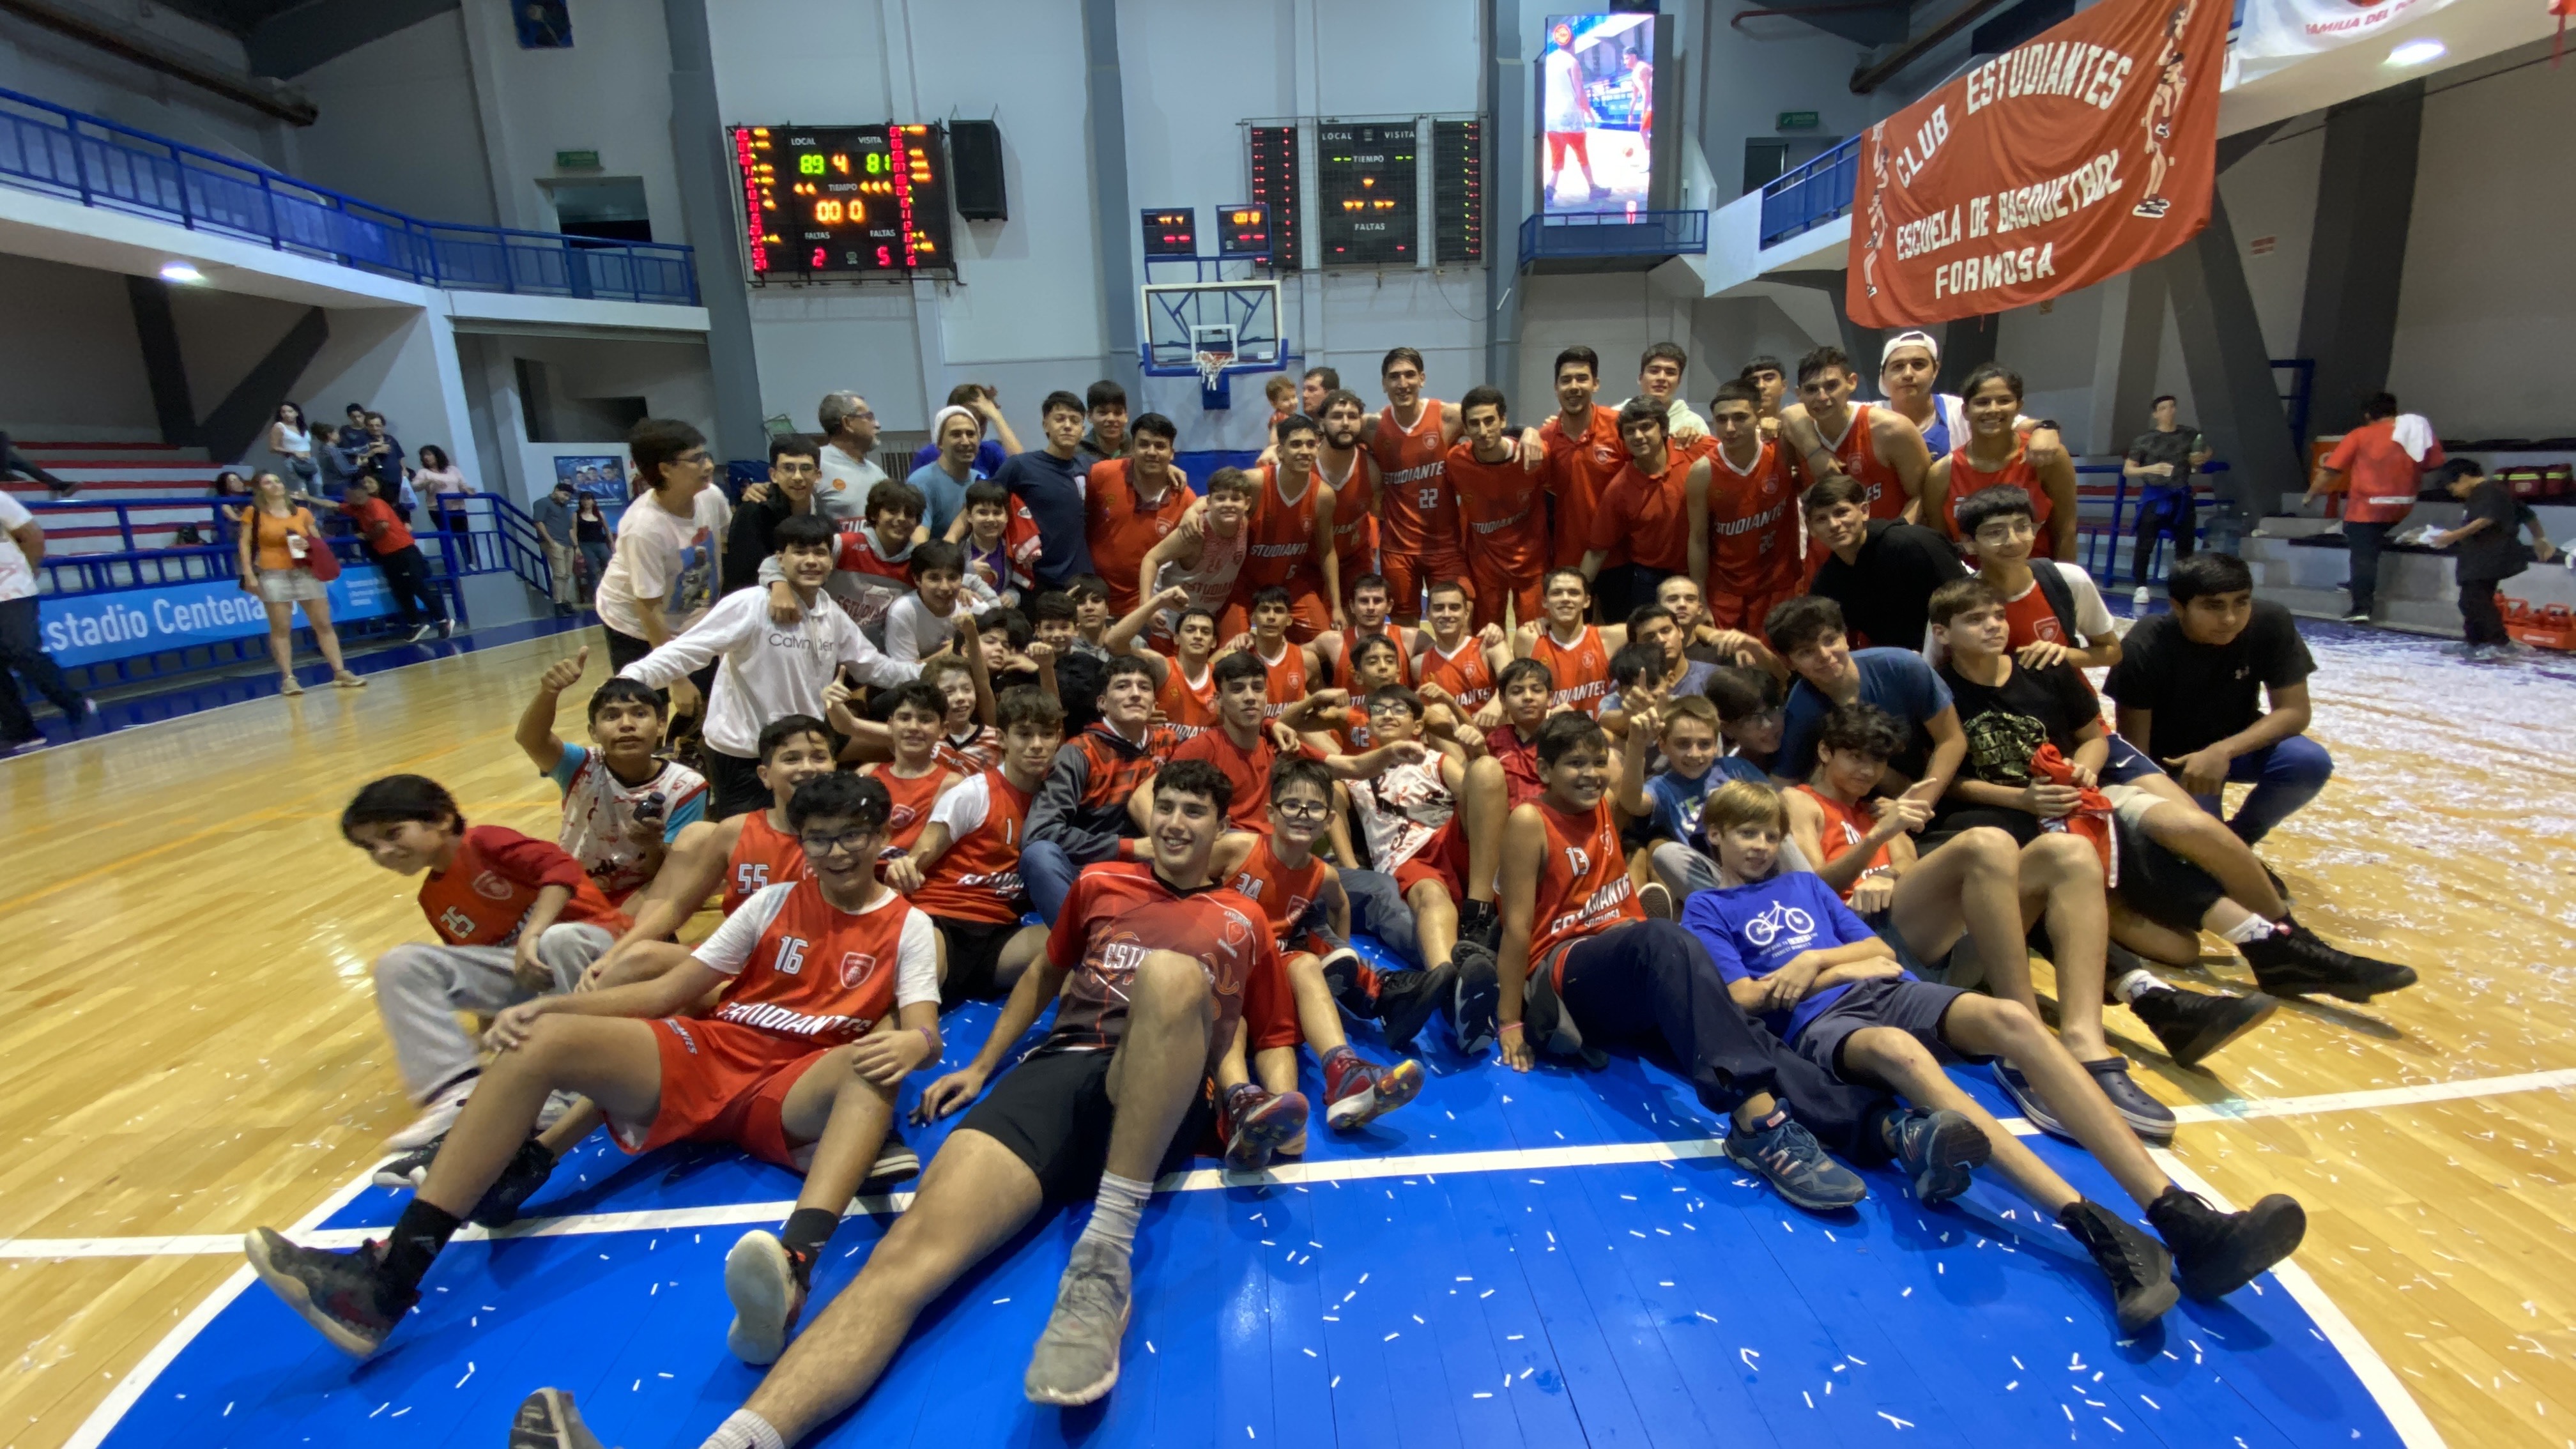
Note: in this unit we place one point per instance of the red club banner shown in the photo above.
(2066, 160)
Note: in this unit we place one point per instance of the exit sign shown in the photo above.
(576, 160)
(1800, 121)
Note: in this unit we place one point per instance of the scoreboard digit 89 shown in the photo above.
(825, 203)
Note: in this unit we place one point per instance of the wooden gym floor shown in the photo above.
(188, 1044)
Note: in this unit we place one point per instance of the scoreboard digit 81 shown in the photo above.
(829, 203)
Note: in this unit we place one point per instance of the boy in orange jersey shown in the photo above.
(1742, 518)
(514, 917)
(1184, 681)
(1086, 810)
(965, 868)
(1500, 503)
(1843, 999)
(740, 855)
(1292, 667)
(1458, 664)
(1827, 432)
(1506, 776)
(1995, 454)
(1581, 968)
(1132, 503)
(1352, 475)
(622, 806)
(1292, 538)
(1370, 605)
(798, 1065)
(1577, 654)
(1203, 556)
(1644, 510)
(1242, 746)
(1277, 868)
(1583, 451)
(1410, 438)
(914, 779)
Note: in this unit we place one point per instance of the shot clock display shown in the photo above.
(1246, 232)
(825, 203)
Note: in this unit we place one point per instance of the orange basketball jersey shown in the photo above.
(1844, 829)
(912, 802)
(1966, 478)
(1466, 675)
(763, 856)
(1858, 455)
(978, 878)
(1282, 893)
(1283, 539)
(815, 973)
(1583, 885)
(1581, 669)
(1354, 516)
(1421, 512)
(1287, 678)
(1188, 705)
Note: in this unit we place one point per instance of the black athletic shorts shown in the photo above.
(974, 954)
(2160, 885)
(1913, 1007)
(1053, 1111)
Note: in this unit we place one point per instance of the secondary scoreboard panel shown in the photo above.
(1365, 185)
(827, 203)
(1458, 191)
(1275, 180)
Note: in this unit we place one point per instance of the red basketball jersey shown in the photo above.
(763, 856)
(1583, 886)
(1403, 657)
(1283, 539)
(484, 894)
(1421, 511)
(1752, 524)
(1188, 705)
(1282, 893)
(1966, 478)
(1844, 829)
(1354, 515)
(1858, 454)
(1579, 468)
(1467, 675)
(1581, 669)
(978, 878)
(1503, 508)
(912, 801)
(805, 970)
(1118, 912)
(1287, 677)
(1121, 530)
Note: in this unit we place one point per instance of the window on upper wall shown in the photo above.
(610, 208)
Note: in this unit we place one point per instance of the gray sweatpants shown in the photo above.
(421, 986)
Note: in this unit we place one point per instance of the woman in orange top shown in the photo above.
(277, 542)
(1995, 454)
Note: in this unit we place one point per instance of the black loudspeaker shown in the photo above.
(975, 170)
(1632, 7)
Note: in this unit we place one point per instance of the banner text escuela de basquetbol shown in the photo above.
(90, 628)
(2064, 161)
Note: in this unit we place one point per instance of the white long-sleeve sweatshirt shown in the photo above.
(768, 670)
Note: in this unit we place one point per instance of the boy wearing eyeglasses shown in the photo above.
(830, 997)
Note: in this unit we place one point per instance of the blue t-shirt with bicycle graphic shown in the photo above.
(1754, 930)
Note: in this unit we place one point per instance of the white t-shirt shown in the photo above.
(1564, 84)
(917, 964)
(843, 493)
(600, 809)
(912, 631)
(17, 576)
(660, 554)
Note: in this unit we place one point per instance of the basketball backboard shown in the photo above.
(1213, 329)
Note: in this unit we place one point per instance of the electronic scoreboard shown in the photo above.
(844, 203)
(1171, 231)
(1365, 181)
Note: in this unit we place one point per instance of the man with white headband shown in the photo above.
(958, 433)
(1907, 366)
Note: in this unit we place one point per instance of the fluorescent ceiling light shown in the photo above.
(2418, 52)
(180, 272)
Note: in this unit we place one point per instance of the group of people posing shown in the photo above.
(1760, 740)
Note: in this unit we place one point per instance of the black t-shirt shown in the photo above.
(1885, 587)
(2199, 694)
(2495, 551)
(2007, 723)
(2155, 446)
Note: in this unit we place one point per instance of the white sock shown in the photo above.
(744, 1429)
(2134, 984)
(2252, 928)
(1114, 1214)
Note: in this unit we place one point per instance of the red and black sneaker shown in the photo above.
(1353, 982)
(338, 1293)
(1358, 1091)
(1263, 1122)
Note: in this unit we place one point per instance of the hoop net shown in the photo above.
(1212, 365)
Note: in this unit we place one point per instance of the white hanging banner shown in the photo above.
(2277, 33)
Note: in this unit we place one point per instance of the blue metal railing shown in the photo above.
(1613, 234)
(61, 152)
(1811, 193)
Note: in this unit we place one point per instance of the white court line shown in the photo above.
(2414, 1430)
(1209, 1179)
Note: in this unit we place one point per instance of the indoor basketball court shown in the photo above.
(1009, 216)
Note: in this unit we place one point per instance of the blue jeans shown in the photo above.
(1378, 908)
(2285, 776)
(1048, 874)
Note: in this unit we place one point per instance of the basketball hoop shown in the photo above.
(1212, 365)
